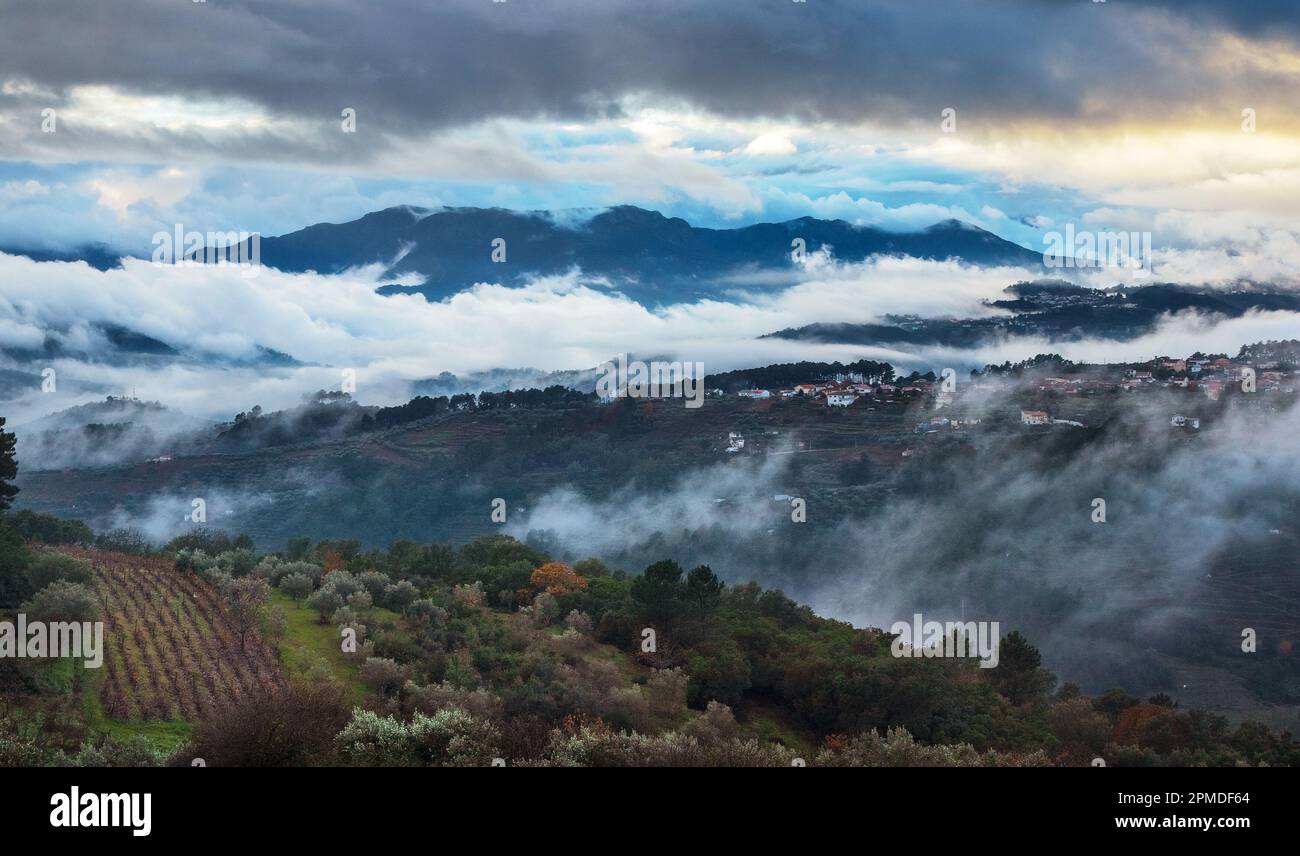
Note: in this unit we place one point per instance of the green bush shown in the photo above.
(47, 568)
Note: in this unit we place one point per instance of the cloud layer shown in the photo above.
(221, 322)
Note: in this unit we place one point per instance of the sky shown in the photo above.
(1024, 117)
(1177, 118)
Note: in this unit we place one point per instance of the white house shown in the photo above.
(840, 399)
(755, 393)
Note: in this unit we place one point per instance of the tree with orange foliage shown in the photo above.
(835, 742)
(1153, 726)
(557, 578)
(331, 561)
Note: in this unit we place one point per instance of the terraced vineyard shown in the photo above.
(170, 651)
(433, 480)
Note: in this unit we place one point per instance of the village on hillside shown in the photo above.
(1050, 390)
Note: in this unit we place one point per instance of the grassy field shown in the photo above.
(309, 646)
(164, 734)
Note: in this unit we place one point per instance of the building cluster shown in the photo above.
(844, 391)
(941, 423)
(1204, 375)
(1042, 417)
(1208, 376)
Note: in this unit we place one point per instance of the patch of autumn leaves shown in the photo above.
(574, 723)
(557, 578)
(836, 742)
(1084, 734)
(331, 561)
(1151, 725)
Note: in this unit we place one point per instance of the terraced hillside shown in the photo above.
(434, 479)
(171, 653)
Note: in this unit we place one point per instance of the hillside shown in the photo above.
(907, 498)
(436, 476)
(495, 653)
(103, 432)
(1056, 312)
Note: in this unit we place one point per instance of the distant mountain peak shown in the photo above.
(952, 224)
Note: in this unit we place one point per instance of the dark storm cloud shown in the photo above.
(1251, 17)
(413, 65)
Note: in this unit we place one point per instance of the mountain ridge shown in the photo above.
(653, 258)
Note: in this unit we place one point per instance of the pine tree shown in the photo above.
(8, 466)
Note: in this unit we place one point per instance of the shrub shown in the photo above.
(297, 586)
(193, 561)
(434, 697)
(449, 738)
(266, 569)
(63, 601)
(543, 611)
(325, 601)
(291, 726)
(19, 751)
(1080, 728)
(591, 568)
(276, 623)
(124, 541)
(376, 584)
(287, 569)
(426, 610)
(237, 563)
(345, 616)
(48, 529)
(342, 583)
(400, 595)
(667, 692)
(470, 595)
(383, 675)
(628, 708)
(719, 672)
(898, 749)
(52, 567)
(594, 746)
(135, 751)
(579, 622)
(716, 725)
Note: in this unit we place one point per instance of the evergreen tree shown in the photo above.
(8, 466)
